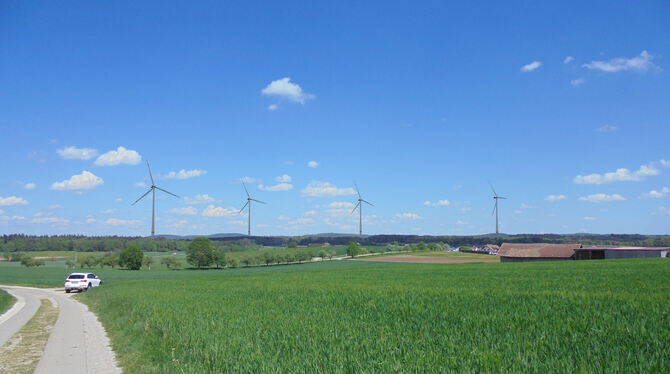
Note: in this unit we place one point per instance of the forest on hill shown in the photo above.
(80, 243)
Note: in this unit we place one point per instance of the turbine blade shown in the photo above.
(141, 197)
(493, 189)
(494, 209)
(352, 212)
(258, 201)
(167, 192)
(245, 189)
(150, 175)
(357, 191)
(500, 197)
(367, 202)
(245, 205)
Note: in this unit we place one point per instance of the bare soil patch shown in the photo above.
(428, 259)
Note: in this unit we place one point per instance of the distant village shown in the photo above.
(522, 252)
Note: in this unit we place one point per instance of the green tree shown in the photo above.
(293, 244)
(109, 260)
(148, 260)
(269, 258)
(220, 258)
(353, 249)
(246, 260)
(331, 254)
(200, 252)
(27, 261)
(234, 262)
(131, 258)
(168, 261)
(322, 254)
(70, 264)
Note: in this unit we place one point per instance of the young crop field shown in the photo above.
(355, 316)
(6, 301)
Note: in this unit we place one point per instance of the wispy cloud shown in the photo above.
(199, 199)
(437, 203)
(29, 186)
(411, 216)
(588, 218)
(313, 164)
(530, 67)
(601, 198)
(277, 187)
(273, 107)
(325, 189)
(284, 178)
(654, 194)
(217, 211)
(555, 197)
(577, 82)
(620, 175)
(638, 63)
(607, 128)
(568, 60)
(123, 222)
(188, 210)
(12, 200)
(185, 174)
(74, 153)
(286, 89)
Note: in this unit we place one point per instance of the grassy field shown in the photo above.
(6, 301)
(450, 254)
(353, 316)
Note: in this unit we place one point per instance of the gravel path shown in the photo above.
(78, 342)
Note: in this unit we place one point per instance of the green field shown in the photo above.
(6, 301)
(351, 316)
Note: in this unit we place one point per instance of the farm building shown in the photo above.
(491, 248)
(602, 253)
(522, 252)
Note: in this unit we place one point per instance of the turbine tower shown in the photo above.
(249, 200)
(360, 210)
(495, 206)
(152, 189)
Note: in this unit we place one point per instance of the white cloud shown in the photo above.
(237, 223)
(408, 216)
(568, 60)
(285, 178)
(555, 197)
(272, 107)
(250, 180)
(120, 156)
(53, 220)
(517, 212)
(123, 222)
(323, 189)
(2, 211)
(301, 221)
(532, 66)
(438, 203)
(283, 218)
(12, 200)
(286, 89)
(29, 186)
(140, 184)
(310, 213)
(654, 194)
(188, 210)
(601, 197)
(312, 164)
(587, 218)
(459, 222)
(577, 82)
(212, 211)
(607, 128)
(341, 204)
(185, 174)
(107, 211)
(90, 220)
(84, 181)
(199, 199)
(118, 200)
(620, 175)
(276, 187)
(662, 211)
(637, 63)
(665, 163)
(74, 153)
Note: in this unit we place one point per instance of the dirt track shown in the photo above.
(77, 343)
(428, 259)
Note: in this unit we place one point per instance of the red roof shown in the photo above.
(538, 250)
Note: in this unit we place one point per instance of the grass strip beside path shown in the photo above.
(22, 352)
(6, 301)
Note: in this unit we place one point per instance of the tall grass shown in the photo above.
(6, 301)
(587, 316)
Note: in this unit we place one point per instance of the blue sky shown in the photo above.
(563, 107)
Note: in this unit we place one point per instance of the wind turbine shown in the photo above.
(495, 207)
(360, 210)
(249, 200)
(152, 189)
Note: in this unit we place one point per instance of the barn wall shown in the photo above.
(631, 254)
(531, 259)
